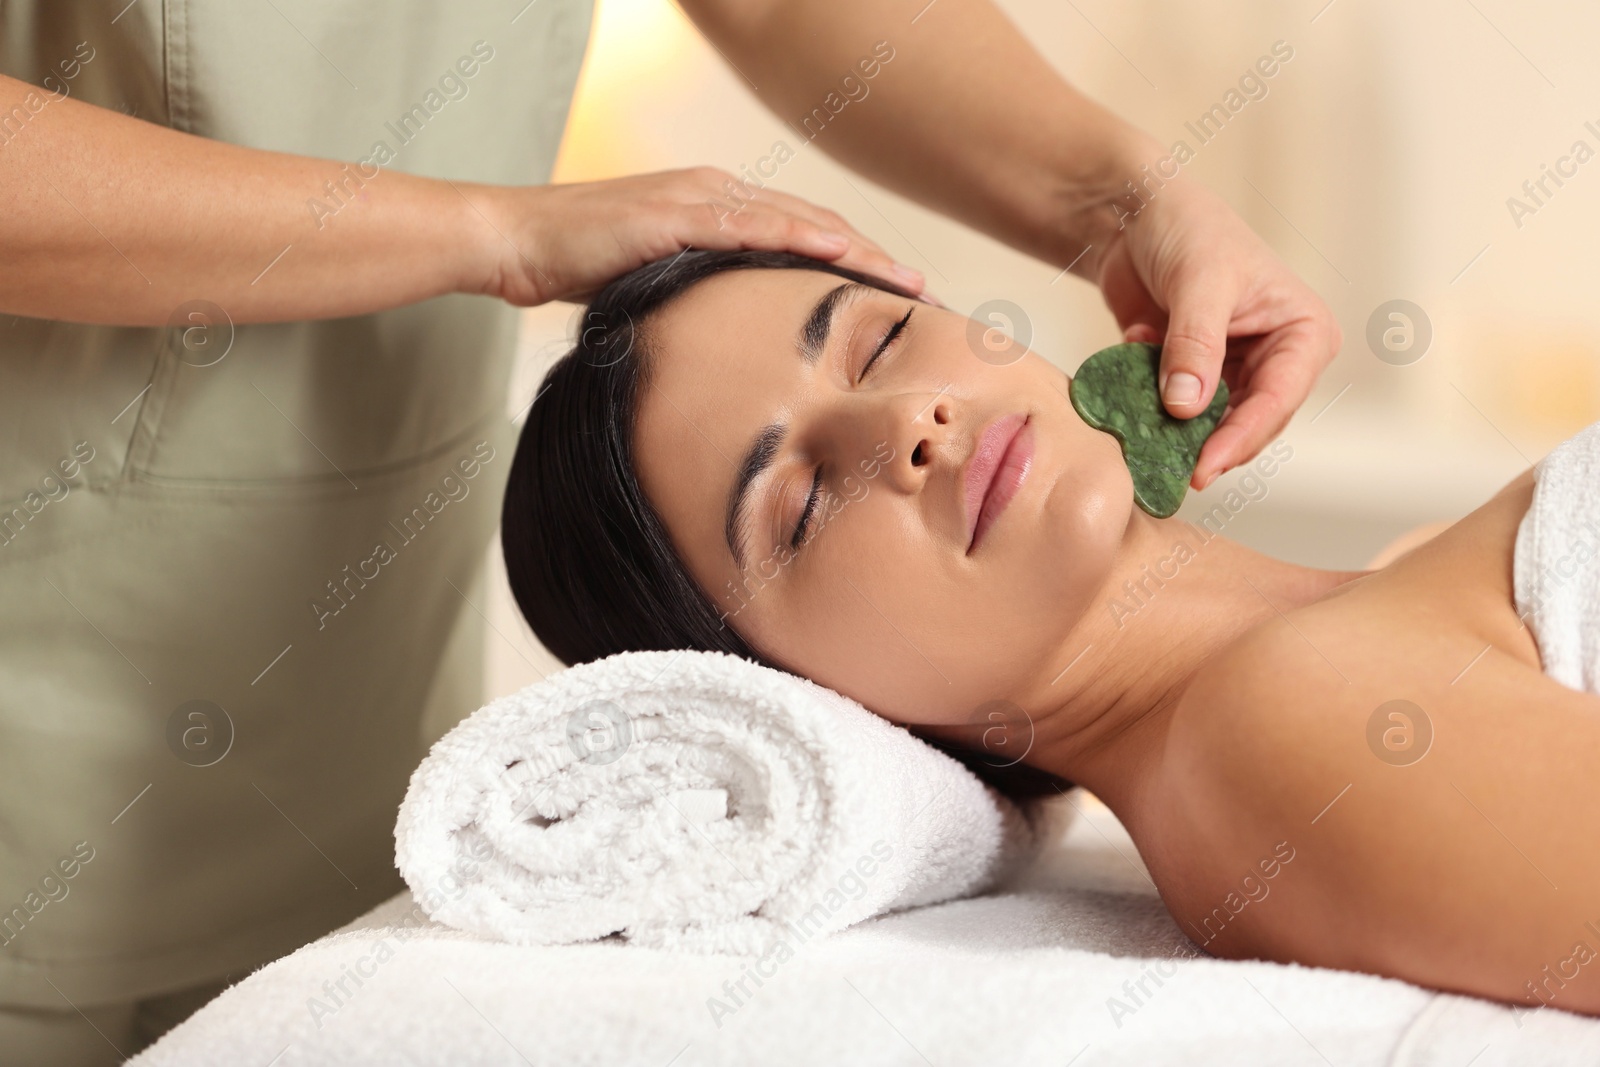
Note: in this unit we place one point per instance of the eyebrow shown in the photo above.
(813, 338)
(812, 341)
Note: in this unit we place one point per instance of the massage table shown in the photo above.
(1073, 962)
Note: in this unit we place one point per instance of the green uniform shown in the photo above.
(241, 567)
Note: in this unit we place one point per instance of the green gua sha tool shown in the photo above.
(1115, 391)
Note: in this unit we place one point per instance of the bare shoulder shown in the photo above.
(1305, 683)
(1350, 786)
(1256, 748)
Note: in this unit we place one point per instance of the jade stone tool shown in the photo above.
(1115, 391)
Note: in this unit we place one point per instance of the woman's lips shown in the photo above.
(997, 469)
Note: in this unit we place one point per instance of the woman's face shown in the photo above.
(762, 411)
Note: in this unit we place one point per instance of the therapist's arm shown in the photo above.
(111, 219)
(969, 119)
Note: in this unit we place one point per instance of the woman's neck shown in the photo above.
(1176, 597)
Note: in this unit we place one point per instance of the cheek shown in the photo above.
(1085, 521)
(868, 610)
(1089, 510)
(892, 622)
(886, 655)
(1049, 566)
(874, 610)
(897, 628)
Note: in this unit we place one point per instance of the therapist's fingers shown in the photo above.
(1196, 341)
(863, 254)
(1274, 379)
(567, 241)
(824, 218)
(778, 222)
(1190, 274)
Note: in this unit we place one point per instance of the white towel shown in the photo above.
(1556, 561)
(694, 800)
(1076, 957)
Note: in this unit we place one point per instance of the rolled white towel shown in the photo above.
(694, 800)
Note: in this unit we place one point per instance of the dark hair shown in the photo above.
(588, 559)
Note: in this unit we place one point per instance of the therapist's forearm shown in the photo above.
(967, 118)
(111, 219)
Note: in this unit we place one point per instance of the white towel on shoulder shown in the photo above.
(1556, 561)
(696, 800)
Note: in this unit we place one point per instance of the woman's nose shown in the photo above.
(914, 439)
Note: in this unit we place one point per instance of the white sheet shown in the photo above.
(1023, 976)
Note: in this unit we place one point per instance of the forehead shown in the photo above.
(736, 320)
(724, 363)
(724, 352)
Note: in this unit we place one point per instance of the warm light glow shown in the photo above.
(643, 60)
(1548, 380)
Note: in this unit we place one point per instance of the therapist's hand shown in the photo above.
(565, 242)
(1186, 272)
(190, 217)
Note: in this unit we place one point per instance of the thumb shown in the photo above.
(1196, 342)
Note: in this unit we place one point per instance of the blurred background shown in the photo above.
(1380, 164)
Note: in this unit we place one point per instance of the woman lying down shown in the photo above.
(935, 532)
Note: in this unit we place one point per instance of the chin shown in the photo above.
(1080, 533)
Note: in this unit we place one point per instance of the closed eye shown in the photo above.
(802, 529)
(885, 342)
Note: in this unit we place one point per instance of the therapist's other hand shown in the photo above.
(565, 242)
(1188, 273)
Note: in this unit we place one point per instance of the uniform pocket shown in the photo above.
(69, 410)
